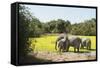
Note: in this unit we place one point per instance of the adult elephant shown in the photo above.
(86, 42)
(74, 42)
(63, 44)
(60, 37)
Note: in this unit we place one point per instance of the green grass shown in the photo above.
(47, 43)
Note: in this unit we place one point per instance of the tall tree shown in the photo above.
(24, 21)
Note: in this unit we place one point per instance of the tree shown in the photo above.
(24, 21)
(68, 26)
(36, 28)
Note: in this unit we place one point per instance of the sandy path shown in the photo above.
(66, 56)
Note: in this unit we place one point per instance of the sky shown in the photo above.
(73, 14)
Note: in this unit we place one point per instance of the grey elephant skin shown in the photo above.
(86, 43)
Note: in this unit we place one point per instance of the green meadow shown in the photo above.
(47, 43)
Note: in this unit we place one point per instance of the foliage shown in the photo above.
(58, 26)
(24, 21)
(87, 28)
(35, 28)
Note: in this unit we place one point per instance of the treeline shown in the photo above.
(55, 26)
(30, 26)
(38, 28)
(87, 27)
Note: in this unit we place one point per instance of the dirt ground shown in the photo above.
(64, 56)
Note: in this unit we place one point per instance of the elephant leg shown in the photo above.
(74, 49)
(78, 49)
(67, 48)
(63, 49)
(82, 46)
(89, 47)
(59, 49)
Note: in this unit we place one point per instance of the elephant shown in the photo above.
(86, 42)
(61, 36)
(74, 42)
(63, 44)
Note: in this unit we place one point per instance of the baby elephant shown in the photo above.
(86, 42)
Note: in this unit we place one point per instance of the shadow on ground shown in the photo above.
(78, 52)
(92, 49)
(32, 60)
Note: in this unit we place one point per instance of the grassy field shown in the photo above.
(47, 43)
